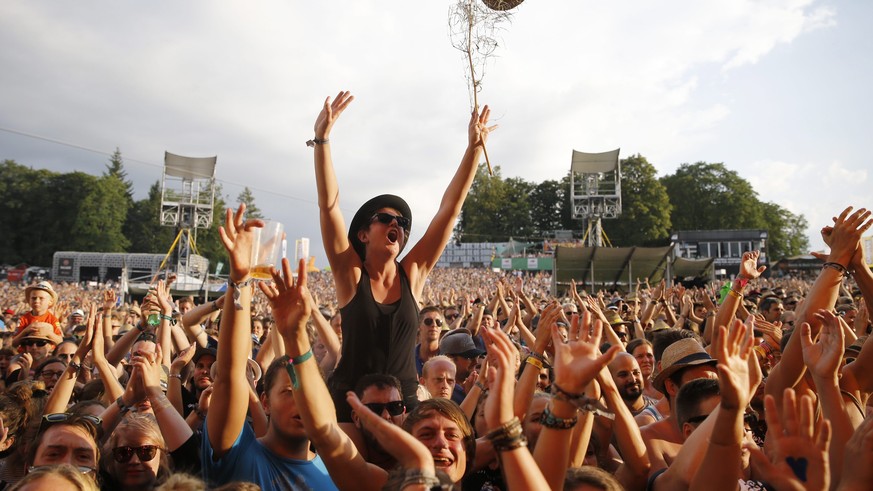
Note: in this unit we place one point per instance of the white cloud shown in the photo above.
(246, 81)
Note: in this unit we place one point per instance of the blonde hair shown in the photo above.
(145, 425)
(63, 471)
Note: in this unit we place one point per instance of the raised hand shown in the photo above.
(148, 367)
(478, 131)
(289, 300)
(799, 452)
(843, 238)
(183, 358)
(501, 377)
(237, 237)
(330, 112)
(578, 360)
(749, 265)
(163, 297)
(733, 349)
(109, 299)
(824, 356)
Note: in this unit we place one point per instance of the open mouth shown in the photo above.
(393, 236)
(442, 461)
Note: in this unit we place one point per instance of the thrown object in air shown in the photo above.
(502, 4)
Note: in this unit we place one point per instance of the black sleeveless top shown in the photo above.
(377, 338)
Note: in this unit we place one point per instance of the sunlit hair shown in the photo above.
(448, 409)
(180, 481)
(590, 477)
(140, 425)
(75, 421)
(73, 476)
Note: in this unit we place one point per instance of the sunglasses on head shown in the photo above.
(387, 218)
(430, 321)
(55, 418)
(145, 453)
(395, 408)
(34, 342)
(84, 469)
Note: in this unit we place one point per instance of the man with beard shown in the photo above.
(380, 393)
(628, 378)
(200, 380)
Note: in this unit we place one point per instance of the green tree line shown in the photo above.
(43, 212)
(699, 196)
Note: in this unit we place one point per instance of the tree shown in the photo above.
(787, 232)
(495, 209)
(252, 210)
(710, 197)
(143, 225)
(101, 217)
(646, 208)
(550, 207)
(115, 168)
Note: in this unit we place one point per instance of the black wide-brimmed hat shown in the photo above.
(366, 212)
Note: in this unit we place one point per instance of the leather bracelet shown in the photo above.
(419, 476)
(836, 266)
(122, 408)
(317, 141)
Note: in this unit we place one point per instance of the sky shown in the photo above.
(774, 89)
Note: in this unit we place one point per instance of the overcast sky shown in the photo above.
(777, 90)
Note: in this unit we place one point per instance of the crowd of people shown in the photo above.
(387, 373)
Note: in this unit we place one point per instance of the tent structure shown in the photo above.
(619, 267)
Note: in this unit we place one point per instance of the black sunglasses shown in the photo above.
(395, 408)
(430, 321)
(34, 342)
(697, 419)
(452, 316)
(387, 218)
(145, 453)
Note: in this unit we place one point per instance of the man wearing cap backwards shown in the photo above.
(683, 361)
(41, 297)
(376, 292)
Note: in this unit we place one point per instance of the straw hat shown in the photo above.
(40, 331)
(44, 286)
(683, 353)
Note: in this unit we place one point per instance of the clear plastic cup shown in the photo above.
(268, 249)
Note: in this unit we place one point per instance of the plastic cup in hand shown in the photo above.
(268, 249)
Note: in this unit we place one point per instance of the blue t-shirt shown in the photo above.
(250, 461)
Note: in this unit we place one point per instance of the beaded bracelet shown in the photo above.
(549, 420)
